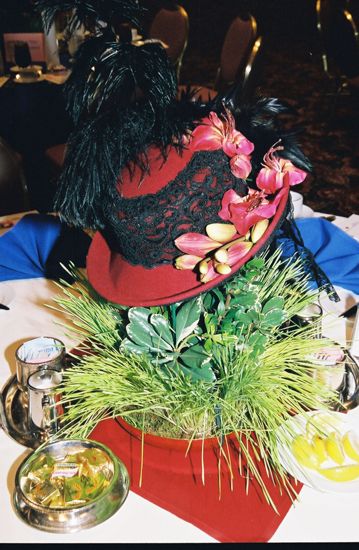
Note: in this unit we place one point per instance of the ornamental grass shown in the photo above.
(231, 361)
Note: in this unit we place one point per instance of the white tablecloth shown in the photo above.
(317, 517)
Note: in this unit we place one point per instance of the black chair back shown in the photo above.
(171, 26)
(13, 192)
(339, 39)
(237, 47)
(243, 89)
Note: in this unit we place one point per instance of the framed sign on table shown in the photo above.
(35, 40)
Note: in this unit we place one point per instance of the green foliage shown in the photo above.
(170, 341)
(248, 397)
(222, 362)
(239, 314)
(243, 314)
(244, 318)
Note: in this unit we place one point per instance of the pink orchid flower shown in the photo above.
(278, 172)
(235, 252)
(187, 261)
(211, 257)
(240, 166)
(244, 212)
(218, 134)
(196, 244)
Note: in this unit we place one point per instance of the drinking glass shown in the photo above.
(37, 354)
(22, 54)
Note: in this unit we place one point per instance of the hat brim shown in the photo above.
(131, 285)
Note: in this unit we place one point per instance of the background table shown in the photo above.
(32, 119)
(317, 517)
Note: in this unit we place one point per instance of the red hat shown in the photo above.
(196, 202)
(192, 203)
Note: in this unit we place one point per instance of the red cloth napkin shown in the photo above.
(172, 479)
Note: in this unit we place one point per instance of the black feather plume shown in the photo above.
(85, 11)
(101, 147)
(107, 74)
(86, 57)
(260, 122)
(129, 105)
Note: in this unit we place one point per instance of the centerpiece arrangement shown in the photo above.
(232, 360)
(199, 390)
(192, 357)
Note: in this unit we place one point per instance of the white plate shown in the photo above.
(341, 423)
(6, 296)
(347, 301)
(17, 69)
(31, 80)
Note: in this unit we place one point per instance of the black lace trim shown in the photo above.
(144, 229)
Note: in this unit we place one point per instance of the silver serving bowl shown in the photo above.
(62, 519)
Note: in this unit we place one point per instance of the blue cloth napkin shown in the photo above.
(37, 244)
(334, 251)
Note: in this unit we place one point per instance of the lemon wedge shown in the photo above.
(350, 444)
(334, 448)
(319, 448)
(304, 452)
(341, 473)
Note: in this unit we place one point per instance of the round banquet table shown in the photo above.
(316, 517)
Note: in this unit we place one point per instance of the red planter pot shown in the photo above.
(172, 479)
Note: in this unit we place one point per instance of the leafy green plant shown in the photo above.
(246, 311)
(170, 342)
(94, 319)
(254, 397)
(184, 337)
(224, 362)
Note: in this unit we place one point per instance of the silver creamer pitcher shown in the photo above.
(45, 409)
